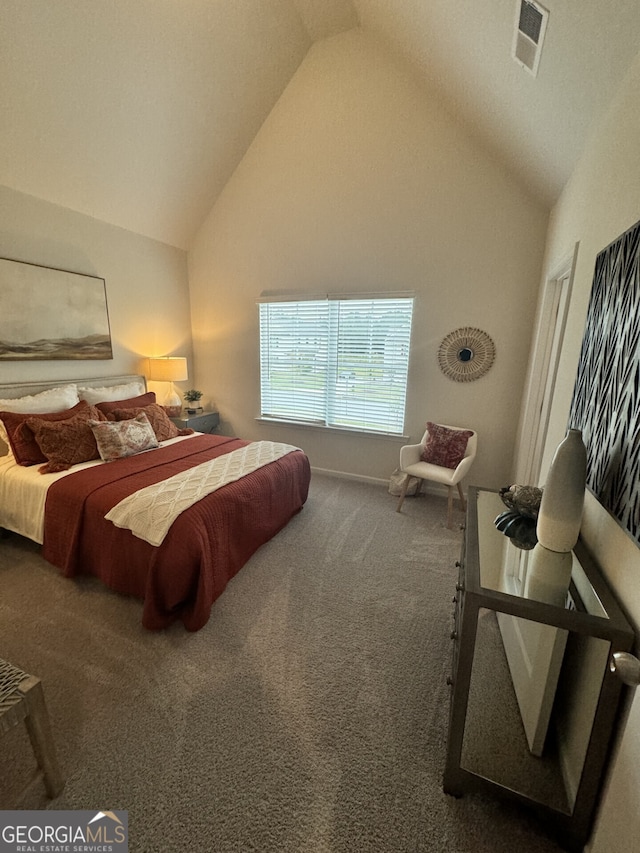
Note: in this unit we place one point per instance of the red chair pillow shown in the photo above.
(444, 446)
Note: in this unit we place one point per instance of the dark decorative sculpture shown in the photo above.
(520, 520)
(523, 499)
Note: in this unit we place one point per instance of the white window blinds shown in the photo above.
(336, 362)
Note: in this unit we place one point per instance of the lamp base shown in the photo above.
(172, 403)
(173, 411)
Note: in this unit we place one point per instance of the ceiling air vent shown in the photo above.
(531, 23)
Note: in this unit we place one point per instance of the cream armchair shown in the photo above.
(412, 466)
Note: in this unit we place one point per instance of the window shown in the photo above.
(336, 362)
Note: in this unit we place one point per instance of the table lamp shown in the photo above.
(169, 369)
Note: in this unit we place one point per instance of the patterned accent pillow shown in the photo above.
(158, 418)
(119, 439)
(445, 447)
(107, 407)
(26, 449)
(64, 443)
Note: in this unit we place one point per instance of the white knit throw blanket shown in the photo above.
(150, 512)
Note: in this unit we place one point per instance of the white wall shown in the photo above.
(358, 181)
(601, 201)
(138, 112)
(146, 284)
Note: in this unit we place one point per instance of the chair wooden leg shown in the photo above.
(463, 503)
(403, 493)
(450, 507)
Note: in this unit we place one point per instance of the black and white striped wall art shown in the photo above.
(606, 397)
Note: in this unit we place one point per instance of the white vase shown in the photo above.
(548, 575)
(560, 514)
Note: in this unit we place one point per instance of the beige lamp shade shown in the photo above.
(170, 369)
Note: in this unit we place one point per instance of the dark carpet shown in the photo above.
(309, 715)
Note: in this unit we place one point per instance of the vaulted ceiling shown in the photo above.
(137, 112)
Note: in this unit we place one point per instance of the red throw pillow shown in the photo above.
(107, 408)
(445, 447)
(21, 438)
(67, 442)
(158, 418)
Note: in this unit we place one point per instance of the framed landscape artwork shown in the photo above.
(48, 313)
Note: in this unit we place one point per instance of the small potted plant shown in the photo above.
(191, 398)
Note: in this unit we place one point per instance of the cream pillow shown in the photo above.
(111, 392)
(52, 400)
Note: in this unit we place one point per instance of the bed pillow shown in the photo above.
(163, 427)
(5, 447)
(444, 446)
(52, 400)
(64, 443)
(112, 392)
(119, 439)
(138, 402)
(26, 449)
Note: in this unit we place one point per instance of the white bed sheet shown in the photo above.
(23, 492)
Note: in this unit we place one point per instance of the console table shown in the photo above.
(558, 772)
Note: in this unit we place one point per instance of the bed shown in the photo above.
(184, 514)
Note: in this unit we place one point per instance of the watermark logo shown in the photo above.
(64, 832)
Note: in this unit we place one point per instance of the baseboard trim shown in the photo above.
(343, 475)
(428, 488)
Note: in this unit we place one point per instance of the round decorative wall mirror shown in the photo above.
(466, 354)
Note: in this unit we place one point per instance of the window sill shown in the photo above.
(340, 430)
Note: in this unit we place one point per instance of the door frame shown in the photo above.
(549, 335)
(535, 652)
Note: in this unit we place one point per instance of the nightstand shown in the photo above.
(200, 422)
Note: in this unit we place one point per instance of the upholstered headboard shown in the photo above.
(13, 390)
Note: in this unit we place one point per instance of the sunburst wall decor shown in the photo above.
(466, 354)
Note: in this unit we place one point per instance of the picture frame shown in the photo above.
(50, 313)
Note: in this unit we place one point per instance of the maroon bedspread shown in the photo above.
(205, 546)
